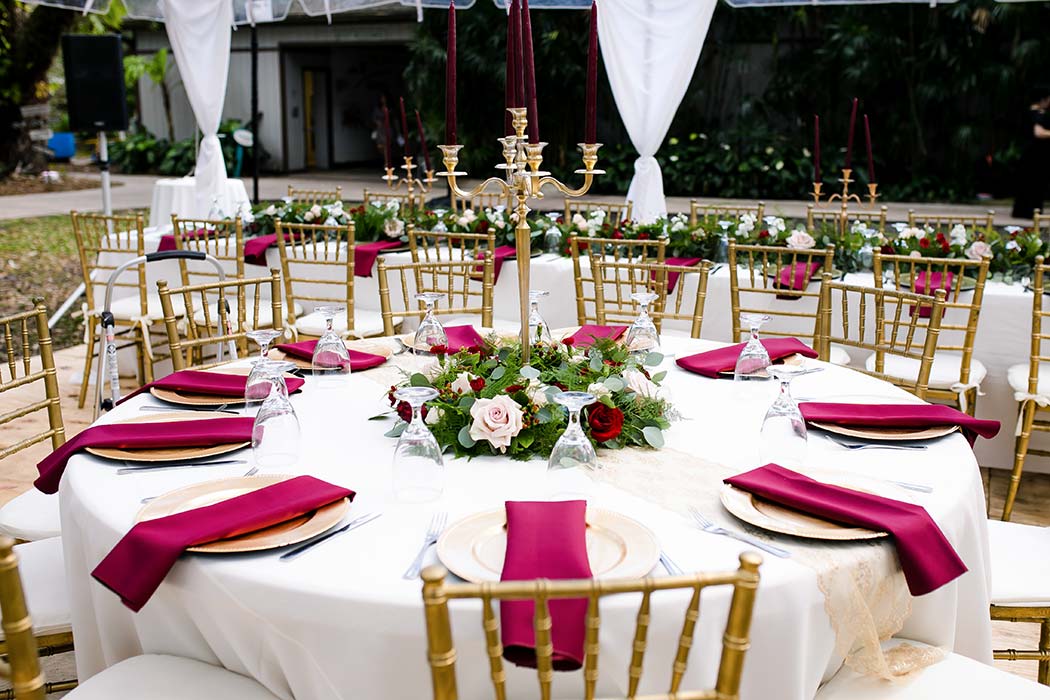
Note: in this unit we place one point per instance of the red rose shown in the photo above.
(924, 242)
(439, 349)
(764, 233)
(617, 234)
(643, 236)
(606, 423)
(570, 341)
(477, 384)
(887, 250)
(404, 411)
(513, 388)
(945, 246)
(483, 227)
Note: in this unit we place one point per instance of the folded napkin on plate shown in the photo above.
(255, 248)
(194, 381)
(305, 351)
(461, 338)
(140, 561)
(585, 337)
(936, 281)
(714, 362)
(167, 241)
(365, 255)
(926, 556)
(672, 277)
(898, 416)
(197, 433)
(500, 254)
(797, 275)
(545, 540)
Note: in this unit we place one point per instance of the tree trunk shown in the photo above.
(165, 96)
(33, 38)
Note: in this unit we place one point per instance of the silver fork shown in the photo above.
(668, 564)
(708, 526)
(875, 446)
(437, 525)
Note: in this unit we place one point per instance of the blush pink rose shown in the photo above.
(496, 420)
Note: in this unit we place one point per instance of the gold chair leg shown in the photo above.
(1044, 647)
(92, 327)
(1027, 410)
(971, 402)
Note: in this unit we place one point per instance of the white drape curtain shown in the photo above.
(650, 49)
(199, 32)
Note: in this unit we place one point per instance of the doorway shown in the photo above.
(316, 118)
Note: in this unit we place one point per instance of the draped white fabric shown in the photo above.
(199, 32)
(650, 49)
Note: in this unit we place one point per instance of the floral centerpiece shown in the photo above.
(296, 213)
(489, 403)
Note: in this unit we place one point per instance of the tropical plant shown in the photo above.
(156, 69)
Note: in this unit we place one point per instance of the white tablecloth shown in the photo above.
(178, 195)
(341, 623)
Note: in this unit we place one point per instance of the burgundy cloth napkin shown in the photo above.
(585, 337)
(898, 416)
(167, 241)
(499, 255)
(358, 360)
(713, 362)
(198, 433)
(255, 248)
(926, 556)
(797, 275)
(545, 540)
(461, 338)
(365, 255)
(672, 277)
(937, 281)
(135, 568)
(211, 383)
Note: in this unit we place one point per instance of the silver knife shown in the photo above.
(176, 465)
(352, 525)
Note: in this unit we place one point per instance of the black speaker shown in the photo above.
(94, 66)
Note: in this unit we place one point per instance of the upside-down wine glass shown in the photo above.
(784, 439)
(419, 469)
(643, 336)
(538, 330)
(430, 331)
(723, 242)
(257, 388)
(750, 374)
(440, 225)
(276, 433)
(552, 237)
(330, 362)
(573, 464)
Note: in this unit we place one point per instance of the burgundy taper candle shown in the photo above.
(422, 141)
(849, 139)
(404, 125)
(519, 69)
(450, 78)
(871, 161)
(386, 136)
(591, 113)
(510, 89)
(530, 73)
(816, 148)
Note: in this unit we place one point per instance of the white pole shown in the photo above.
(103, 164)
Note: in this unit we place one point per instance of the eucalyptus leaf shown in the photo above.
(529, 372)
(654, 436)
(544, 415)
(652, 359)
(659, 376)
(614, 383)
(464, 437)
(525, 440)
(418, 379)
(381, 416)
(466, 402)
(396, 430)
(596, 362)
(498, 373)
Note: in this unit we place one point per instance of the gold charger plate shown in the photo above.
(794, 360)
(208, 493)
(887, 434)
(168, 454)
(187, 399)
(968, 284)
(617, 546)
(776, 518)
(359, 345)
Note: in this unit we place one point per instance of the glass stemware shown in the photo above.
(276, 433)
(573, 464)
(330, 361)
(552, 237)
(257, 387)
(440, 225)
(216, 212)
(538, 330)
(419, 469)
(430, 331)
(784, 437)
(723, 242)
(754, 361)
(643, 336)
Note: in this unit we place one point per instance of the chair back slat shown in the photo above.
(18, 333)
(615, 211)
(612, 250)
(1041, 225)
(480, 202)
(465, 292)
(404, 200)
(317, 264)
(980, 223)
(316, 196)
(840, 220)
(222, 239)
(442, 246)
(22, 666)
(441, 651)
(103, 243)
(494, 648)
(1037, 356)
(711, 214)
(619, 280)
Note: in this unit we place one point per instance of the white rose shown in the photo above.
(640, 384)
(978, 250)
(308, 216)
(910, 232)
(496, 420)
(392, 205)
(537, 392)
(462, 383)
(800, 239)
(1013, 245)
(469, 216)
(579, 222)
(316, 210)
(433, 416)
(599, 390)
(958, 235)
(915, 254)
(270, 210)
(393, 228)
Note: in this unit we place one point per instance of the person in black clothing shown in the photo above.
(1033, 171)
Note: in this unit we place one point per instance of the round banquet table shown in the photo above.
(178, 195)
(340, 622)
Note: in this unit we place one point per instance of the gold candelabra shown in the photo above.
(523, 179)
(409, 181)
(845, 196)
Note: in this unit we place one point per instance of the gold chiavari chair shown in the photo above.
(1041, 224)
(464, 295)
(615, 212)
(956, 375)
(316, 196)
(33, 516)
(441, 650)
(755, 286)
(404, 200)
(894, 325)
(219, 316)
(840, 220)
(485, 200)
(103, 243)
(623, 279)
(614, 249)
(438, 246)
(137, 677)
(980, 223)
(317, 264)
(717, 212)
(222, 239)
(1031, 384)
